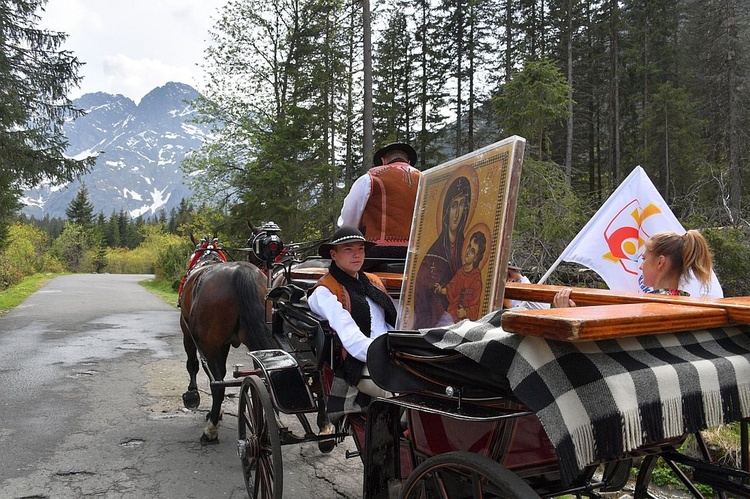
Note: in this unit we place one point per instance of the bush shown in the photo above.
(148, 257)
(731, 251)
(9, 274)
(136, 261)
(25, 254)
(548, 216)
(170, 266)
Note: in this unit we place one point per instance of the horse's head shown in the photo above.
(265, 244)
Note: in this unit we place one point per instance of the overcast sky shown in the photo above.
(131, 47)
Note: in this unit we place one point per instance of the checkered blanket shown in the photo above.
(597, 400)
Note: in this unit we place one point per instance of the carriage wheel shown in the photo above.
(464, 475)
(258, 445)
(643, 480)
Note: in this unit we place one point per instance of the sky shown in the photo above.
(130, 47)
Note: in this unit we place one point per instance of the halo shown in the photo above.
(471, 175)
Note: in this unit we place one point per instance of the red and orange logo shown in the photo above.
(626, 234)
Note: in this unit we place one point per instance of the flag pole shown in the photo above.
(551, 269)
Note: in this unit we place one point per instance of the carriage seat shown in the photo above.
(391, 265)
(298, 330)
(403, 361)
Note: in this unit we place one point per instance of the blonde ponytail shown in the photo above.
(696, 256)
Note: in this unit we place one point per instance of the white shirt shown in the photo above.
(527, 305)
(325, 304)
(356, 200)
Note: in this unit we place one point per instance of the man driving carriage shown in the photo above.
(380, 203)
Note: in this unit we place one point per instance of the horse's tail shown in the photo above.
(249, 284)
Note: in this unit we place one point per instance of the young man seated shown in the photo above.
(355, 303)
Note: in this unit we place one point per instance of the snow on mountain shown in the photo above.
(141, 148)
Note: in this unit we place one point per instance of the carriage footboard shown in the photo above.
(285, 381)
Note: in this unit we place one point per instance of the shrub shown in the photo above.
(170, 266)
(25, 254)
(731, 251)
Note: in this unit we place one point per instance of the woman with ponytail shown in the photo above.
(669, 258)
(666, 264)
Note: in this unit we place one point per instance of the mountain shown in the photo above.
(141, 148)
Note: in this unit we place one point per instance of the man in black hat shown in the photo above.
(381, 202)
(354, 302)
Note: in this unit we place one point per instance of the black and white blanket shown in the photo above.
(598, 400)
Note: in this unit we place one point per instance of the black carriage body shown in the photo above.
(448, 409)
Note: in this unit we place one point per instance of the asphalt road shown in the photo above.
(91, 377)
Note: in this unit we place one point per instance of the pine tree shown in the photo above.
(393, 102)
(112, 232)
(35, 76)
(275, 71)
(80, 210)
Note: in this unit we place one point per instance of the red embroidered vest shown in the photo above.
(386, 219)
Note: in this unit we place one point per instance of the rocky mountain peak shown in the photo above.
(140, 149)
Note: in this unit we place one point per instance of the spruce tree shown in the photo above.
(36, 76)
(80, 210)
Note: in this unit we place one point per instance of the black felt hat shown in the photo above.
(377, 160)
(342, 236)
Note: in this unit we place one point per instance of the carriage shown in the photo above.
(518, 404)
(463, 426)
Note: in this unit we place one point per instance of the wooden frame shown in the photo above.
(605, 314)
(480, 189)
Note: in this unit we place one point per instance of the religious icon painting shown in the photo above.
(461, 237)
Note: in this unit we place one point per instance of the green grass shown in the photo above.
(162, 289)
(14, 295)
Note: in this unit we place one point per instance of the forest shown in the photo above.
(302, 92)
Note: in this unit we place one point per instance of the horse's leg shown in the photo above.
(217, 363)
(191, 398)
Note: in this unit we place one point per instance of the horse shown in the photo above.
(222, 305)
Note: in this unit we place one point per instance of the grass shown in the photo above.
(16, 294)
(162, 289)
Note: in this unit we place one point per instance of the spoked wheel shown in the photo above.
(643, 481)
(258, 445)
(464, 475)
(671, 459)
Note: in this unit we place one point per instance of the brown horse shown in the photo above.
(222, 305)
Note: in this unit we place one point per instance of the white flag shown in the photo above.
(613, 240)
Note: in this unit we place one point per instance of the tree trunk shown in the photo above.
(569, 135)
(666, 192)
(508, 39)
(615, 94)
(349, 161)
(459, 74)
(735, 178)
(471, 103)
(367, 68)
